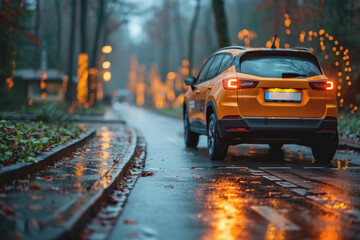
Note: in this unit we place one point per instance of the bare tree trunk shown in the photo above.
(99, 26)
(178, 29)
(191, 35)
(70, 93)
(83, 21)
(100, 20)
(221, 23)
(164, 67)
(58, 32)
(37, 31)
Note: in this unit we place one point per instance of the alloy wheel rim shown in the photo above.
(211, 137)
(185, 126)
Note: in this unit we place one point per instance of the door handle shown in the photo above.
(209, 87)
(197, 91)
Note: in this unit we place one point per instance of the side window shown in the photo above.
(227, 61)
(214, 68)
(204, 71)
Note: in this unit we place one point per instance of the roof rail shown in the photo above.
(232, 47)
(301, 48)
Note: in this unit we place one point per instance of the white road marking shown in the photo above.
(314, 167)
(233, 168)
(280, 168)
(353, 168)
(301, 191)
(255, 170)
(286, 184)
(275, 218)
(272, 178)
(260, 173)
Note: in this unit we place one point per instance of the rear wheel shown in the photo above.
(217, 148)
(275, 146)
(325, 150)
(191, 138)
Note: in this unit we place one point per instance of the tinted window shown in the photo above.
(215, 65)
(278, 66)
(204, 71)
(227, 61)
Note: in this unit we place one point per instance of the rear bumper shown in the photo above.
(304, 131)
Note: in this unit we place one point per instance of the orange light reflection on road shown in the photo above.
(79, 169)
(225, 211)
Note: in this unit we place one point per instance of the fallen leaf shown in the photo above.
(116, 161)
(130, 221)
(112, 201)
(35, 207)
(169, 186)
(8, 211)
(16, 234)
(192, 167)
(9, 162)
(34, 187)
(48, 177)
(198, 177)
(62, 190)
(88, 188)
(147, 174)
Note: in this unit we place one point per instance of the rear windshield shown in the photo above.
(280, 66)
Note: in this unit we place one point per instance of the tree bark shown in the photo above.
(95, 50)
(178, 29)
(37, 31)
(191, 35)
(83, 23)
(99, 26)
(58, 32)
(221, 23)
(70, 93)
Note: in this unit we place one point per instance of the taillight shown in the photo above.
(322, 85)
(237, 83)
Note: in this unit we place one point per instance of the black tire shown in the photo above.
(275, 146)
(191, 138)
(324, 150)
(217, 148)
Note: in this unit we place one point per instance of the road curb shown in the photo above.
(92, 205)
(13, 172)
(349, 143)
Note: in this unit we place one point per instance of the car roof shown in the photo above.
(236, 50)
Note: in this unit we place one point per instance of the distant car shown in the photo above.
(265, 96)
(123, 95)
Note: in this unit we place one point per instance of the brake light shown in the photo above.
(329, 85)
(237, 83)
(322, 85)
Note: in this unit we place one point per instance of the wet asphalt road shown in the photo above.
(254, 194)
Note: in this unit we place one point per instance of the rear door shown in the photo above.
(283, 88)
(197, 101)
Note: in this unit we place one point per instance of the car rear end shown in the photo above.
(282, 97)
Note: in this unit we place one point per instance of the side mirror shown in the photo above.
(189, 81)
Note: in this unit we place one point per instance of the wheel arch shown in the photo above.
(210, 108)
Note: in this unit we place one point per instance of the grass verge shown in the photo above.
(349, 123)
(22, 142)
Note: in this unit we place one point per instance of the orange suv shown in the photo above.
(262, 95)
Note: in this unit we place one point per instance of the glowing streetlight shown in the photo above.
(106, 49)
(106, 65)
(107, 76)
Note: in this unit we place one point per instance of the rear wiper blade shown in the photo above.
(291, 75)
